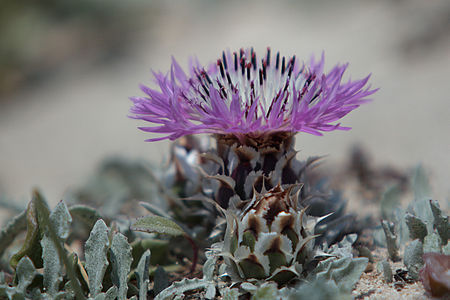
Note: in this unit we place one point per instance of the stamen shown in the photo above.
(292, 63)
(254, 60)
(235, 61)
(205, 75)
(222, 72)
(264, 71)
(283, 67)
(224, 59)
(268, 56)
(229, 79)
(277, 61)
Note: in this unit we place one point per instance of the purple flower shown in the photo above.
(247, 97)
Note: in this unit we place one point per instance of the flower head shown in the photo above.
(244, 96)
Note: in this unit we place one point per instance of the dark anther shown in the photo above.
(286, 85)
(241, 53)
(291, 66)
(224, 59)
(264, 71)
(222, 72)
(229, 78)
(235, 61)
(205, 89)
(268, 56)
(315, 96)
(199, 77)
(248, 71)
(283, 66)
(260, 77)
(242, 66)
(254, 61)
(205, 75)
(222, 90)
(277, 62)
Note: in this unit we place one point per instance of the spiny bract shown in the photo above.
(269, 239)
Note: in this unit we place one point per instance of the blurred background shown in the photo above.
(68, 67)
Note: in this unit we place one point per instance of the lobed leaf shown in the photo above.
(96, 250)
(120, 255)
(413, 258)
(417, 228)
(180, 287)
(432, 243)
(391, 241)
(25, 273)
(59, 219)
(142, 274)
(440, 222)
(31, 246)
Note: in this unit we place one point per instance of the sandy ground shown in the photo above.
(53, 135)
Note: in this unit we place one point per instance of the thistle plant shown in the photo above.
(253, 107)
(262, 223)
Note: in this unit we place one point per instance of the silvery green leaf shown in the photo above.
(179, 287)
(347, 275)
(401, 228)
(155, 209)
(209, 268)
(422, 194)
(387, 271)
(11, 230)
(25, 273)
(52, 266)
(86, 214)
(31, 246)
(345, 272)
(160, 280)
(60, 220)
(143, 275)
(432, 243)
(157, 224)
(96, 250)
(318, 290)
(391, 241)
(111, 294)
(267, 291)
(121, 259)
(413, 258)
(249, 287)
(417, 229)
(440, 222)
(421, 186)
(390, 200)
(210, 291)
